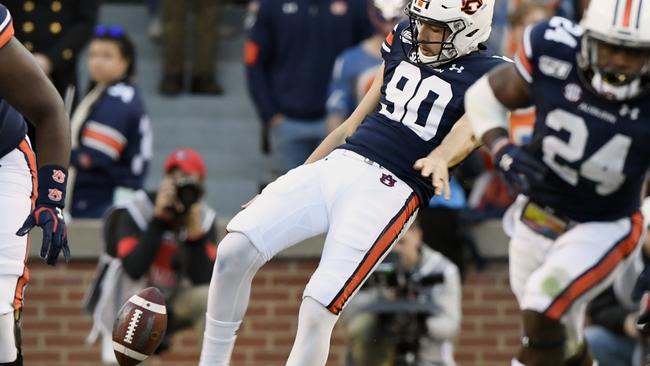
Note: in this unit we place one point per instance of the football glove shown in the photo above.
(519, 167)
(48, 214)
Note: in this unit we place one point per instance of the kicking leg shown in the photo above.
(237, 262)
(312, 343)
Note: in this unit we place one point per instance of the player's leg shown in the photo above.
(579, 265)
(16, 199)
(10, 353)
(288, 211)
(365, 223)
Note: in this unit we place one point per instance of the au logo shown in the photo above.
(471, 6)
(387, 180)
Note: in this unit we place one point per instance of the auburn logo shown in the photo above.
(387, 180)
(55, 195)
(471, 6)
(58, 176)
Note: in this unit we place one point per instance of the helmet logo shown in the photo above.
(419, 4)
(471, 6)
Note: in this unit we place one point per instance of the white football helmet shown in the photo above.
(622, 23)
(469, 23)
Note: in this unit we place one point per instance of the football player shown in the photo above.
(363, 185)
(577, 224)
(26, 91)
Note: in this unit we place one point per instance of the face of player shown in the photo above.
(430, 36)
(106, 62)
(621, 61)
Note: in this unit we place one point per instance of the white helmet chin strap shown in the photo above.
(618, 93)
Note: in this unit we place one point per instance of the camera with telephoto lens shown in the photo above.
(403, 318)
(188, 191)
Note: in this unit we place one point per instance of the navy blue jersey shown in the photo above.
(113, 150)
(418, 107)
(597, 150)
(12, 124)
(291, 50)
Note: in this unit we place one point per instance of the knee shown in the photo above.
(236, 256)
(314, 315)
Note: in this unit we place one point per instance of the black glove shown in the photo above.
(519, 167)
(48, 213)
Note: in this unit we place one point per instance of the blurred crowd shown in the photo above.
(308, 64)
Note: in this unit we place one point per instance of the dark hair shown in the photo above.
(127, 49)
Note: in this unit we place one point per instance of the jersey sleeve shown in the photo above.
(387, 45)
(546, 41)
(6, 26)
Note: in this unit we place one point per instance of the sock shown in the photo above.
(218, 342)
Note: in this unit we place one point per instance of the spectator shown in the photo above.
(55, 32)
(377, 339)
(355, 68)
(525, 14)
(289, 58)
(612, 335)
(204, 38)
(111, 133)
(164, 239)
(500, 38)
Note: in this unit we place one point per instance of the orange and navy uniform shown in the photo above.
(549, 65)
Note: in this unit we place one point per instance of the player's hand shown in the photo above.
(48, 213)
(438, 170)
(55, 237)
(519, 167)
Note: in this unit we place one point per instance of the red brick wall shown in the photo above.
(55, 328)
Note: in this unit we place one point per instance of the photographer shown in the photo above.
(164, 239)
(409, 311)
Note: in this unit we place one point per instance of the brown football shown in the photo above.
(140, 327)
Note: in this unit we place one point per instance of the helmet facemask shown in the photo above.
(412, 46)
(611, 83)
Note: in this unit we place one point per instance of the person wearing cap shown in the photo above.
(110, 128)
(166, 239)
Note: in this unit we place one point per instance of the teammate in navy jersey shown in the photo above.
(363, 185)
(25, 90)
(577, 225)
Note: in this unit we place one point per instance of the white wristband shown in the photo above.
(484, 110)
